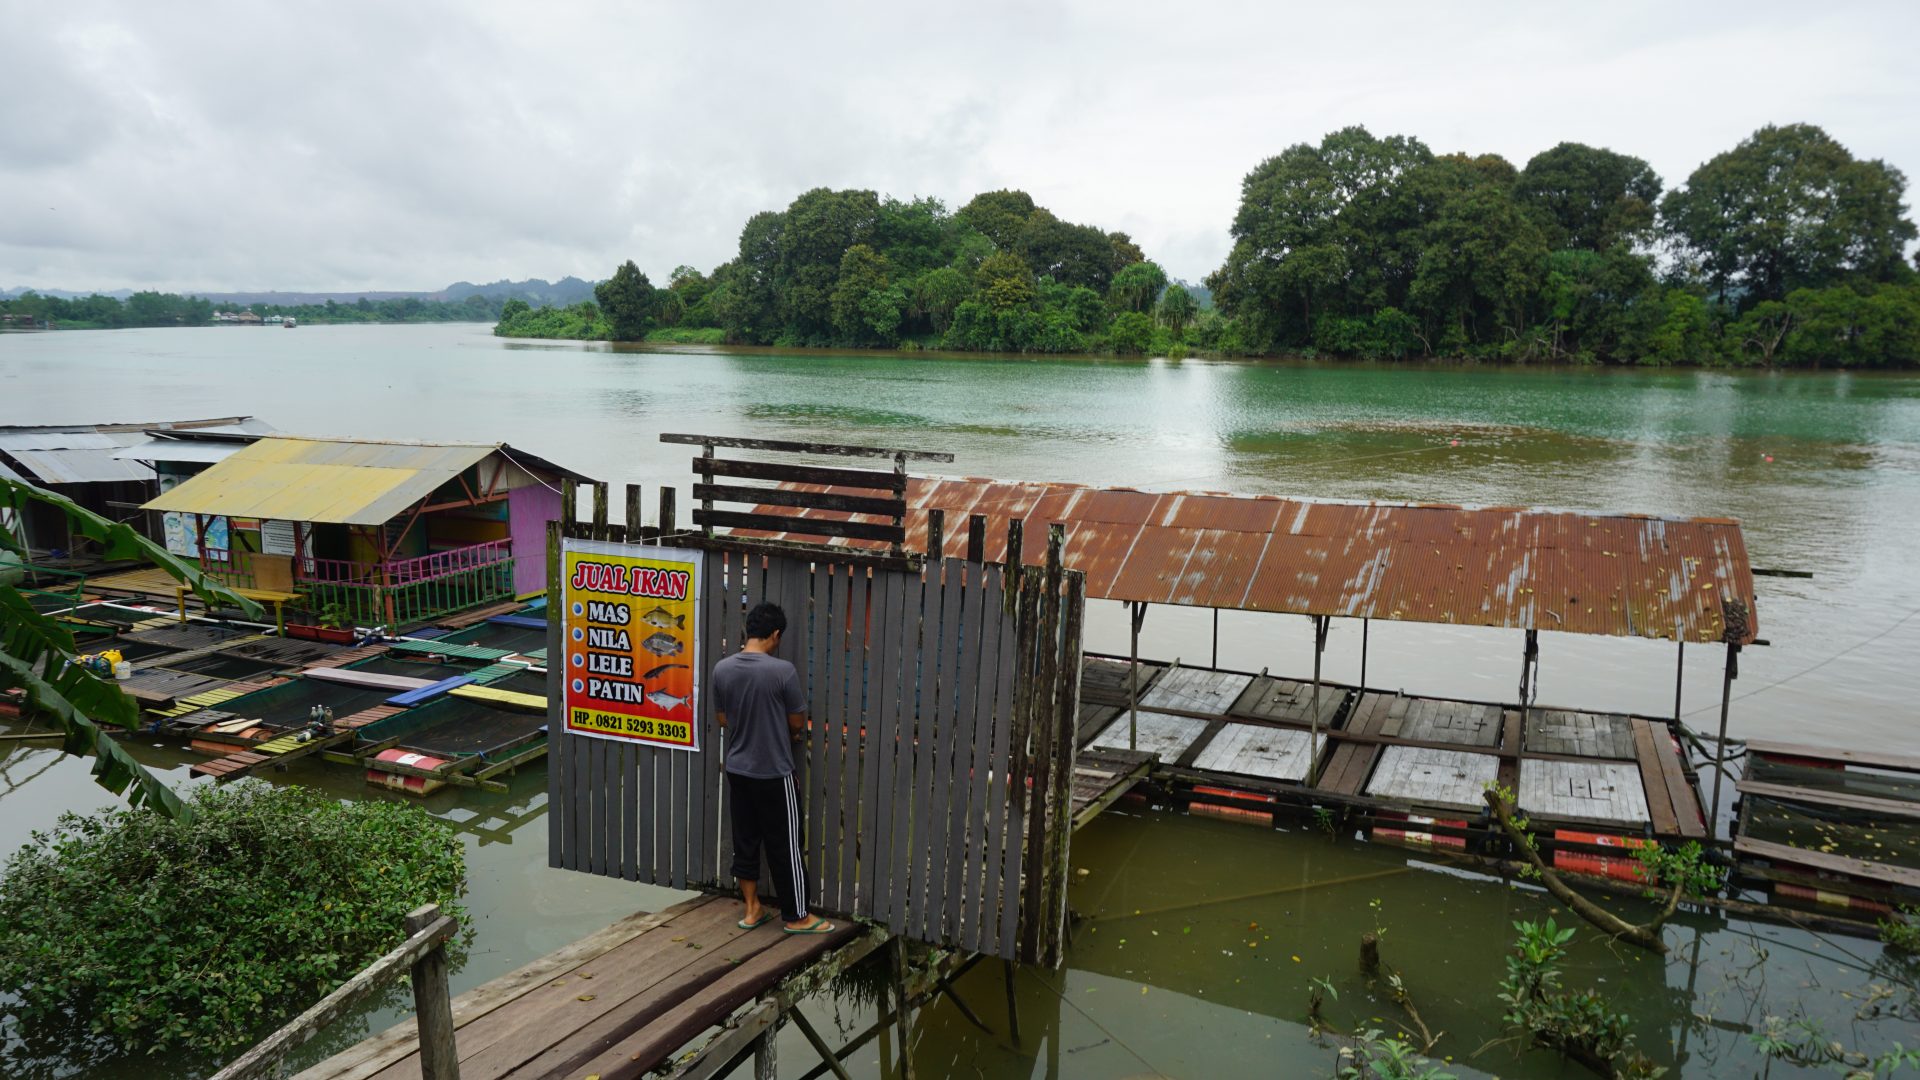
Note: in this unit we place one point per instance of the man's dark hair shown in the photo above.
(765, 620)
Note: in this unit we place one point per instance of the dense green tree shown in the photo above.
(1137, 286)
(1589, 198)
(999, 216)
(860, 317)
(1789, 208)
(937, 293)
(819, 227)
(1131, 333)
(1004, 282)
(1176, 308)
(1124, 250)
(1068, 253)
(626, 299)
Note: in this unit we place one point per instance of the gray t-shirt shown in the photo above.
(756, 691)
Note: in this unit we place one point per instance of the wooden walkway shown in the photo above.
(1831, 827)
(616, 1004)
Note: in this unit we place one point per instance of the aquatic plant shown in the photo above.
(1500, 802)
(35, 650)
(1804, 1041)
(1901, 930)
(142, 932)
(1372, 1057)
(1578, 1023)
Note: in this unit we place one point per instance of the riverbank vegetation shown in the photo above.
(97, 312)
(133, 932)
(1785, 251)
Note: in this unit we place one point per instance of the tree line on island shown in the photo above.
(1783, 251)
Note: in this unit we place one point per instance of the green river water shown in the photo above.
(1823, 469)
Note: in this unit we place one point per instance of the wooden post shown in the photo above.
(666, 511)
(438, 1059)
(900, 470)
(569, 501)
(827, 1056)
(1313, 739)
(1136, 616)
(633, 513)
(1720, 748)
(900, 993)
(1529, 686)
(1679, 677)
(976, 538)
(706, 477)
(936, 533)
(599, 510)
(1013, 1004)
(765, 1066)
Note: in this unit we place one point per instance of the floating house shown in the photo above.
(86, 463)
(380, 533)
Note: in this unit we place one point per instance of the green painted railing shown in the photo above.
(418, 601)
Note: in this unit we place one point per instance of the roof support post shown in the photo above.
(1216, 639)
(1529, 689)
(1320, 626)
(1720, 748)
(1679, 677)
(1365, 624)
(1137, 615)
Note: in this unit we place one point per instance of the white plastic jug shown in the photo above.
(123, 670)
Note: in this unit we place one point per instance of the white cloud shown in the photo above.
(367, 145)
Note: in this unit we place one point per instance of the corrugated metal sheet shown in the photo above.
(179, 450)
(61, 440)
(349, 483)
(79, 466)
(1613, 574)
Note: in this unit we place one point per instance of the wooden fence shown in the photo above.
(937, 766)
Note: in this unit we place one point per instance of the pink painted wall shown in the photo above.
(528, 511)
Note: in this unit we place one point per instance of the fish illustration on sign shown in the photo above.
(663, 645)
(662, 619)
(665, 700)
(659, 671)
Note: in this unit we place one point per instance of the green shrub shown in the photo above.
(154, 934)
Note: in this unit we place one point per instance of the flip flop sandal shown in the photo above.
(821, 927)
(765, 917)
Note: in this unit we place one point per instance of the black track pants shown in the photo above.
(766, 813)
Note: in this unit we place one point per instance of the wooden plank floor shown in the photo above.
(1442, 721)
(1254, 750)
(1352, 763)
(1164, 736)
(616, 1004)
(1580, 734)
(1196, 690)
(1286, 700)
(1421, 776)
(1583, 791)
(1101, 776)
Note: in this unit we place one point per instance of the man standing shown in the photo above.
(758, 700)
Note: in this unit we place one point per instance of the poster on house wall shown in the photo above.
(631, 642)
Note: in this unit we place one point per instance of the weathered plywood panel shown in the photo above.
(1167, 737)
(1593, 791)
(1580, 734)
(1253, 750)
(1426, 777)
(1196, 690)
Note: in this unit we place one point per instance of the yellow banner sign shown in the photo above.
(630, 614)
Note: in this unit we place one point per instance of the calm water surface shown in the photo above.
(1218, 989)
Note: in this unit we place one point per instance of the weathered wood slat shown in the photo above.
(855, 530)
(895, 869)
(815, 500)
(787, 446)
(1659, 804)
(987, 706)
(1865, 758)
(1843, 800)
(806, 474)
(1819, 860)
(821, 718)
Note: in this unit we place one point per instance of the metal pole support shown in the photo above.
(1720, 748)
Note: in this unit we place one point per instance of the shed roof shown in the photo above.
(337, 481)
(92, 453)
(1626, 575)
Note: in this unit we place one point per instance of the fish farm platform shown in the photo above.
(1215, 731)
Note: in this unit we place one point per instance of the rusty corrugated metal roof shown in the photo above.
(1628, 575)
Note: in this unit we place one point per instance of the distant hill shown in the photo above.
(535, 291)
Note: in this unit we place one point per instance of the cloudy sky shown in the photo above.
(353, 145)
